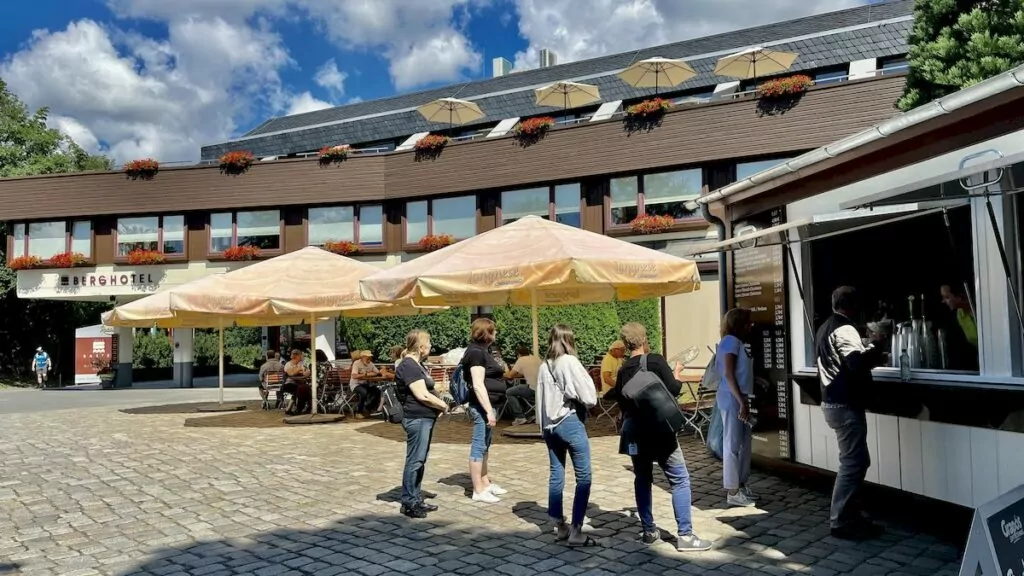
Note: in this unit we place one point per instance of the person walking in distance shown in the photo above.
(565, 392)
(41, 365)
(732, 362)
(844, 372)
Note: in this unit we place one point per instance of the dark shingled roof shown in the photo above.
(819, 40)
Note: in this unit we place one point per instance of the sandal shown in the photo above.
(587, 543)
(561, 532)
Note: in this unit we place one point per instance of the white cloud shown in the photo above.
(306, 102)
(330, 78)
(579, 29)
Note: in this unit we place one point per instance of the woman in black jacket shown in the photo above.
(649, 442)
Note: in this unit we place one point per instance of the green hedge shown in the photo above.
(595, 325)
(241, 347)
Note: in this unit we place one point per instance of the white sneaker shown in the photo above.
(496, 490)
(738, 500)
(751, 495)
(485, 496)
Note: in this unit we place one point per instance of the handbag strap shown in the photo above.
(558, 384)
(643, 363)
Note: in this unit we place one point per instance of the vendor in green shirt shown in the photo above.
(953, 295)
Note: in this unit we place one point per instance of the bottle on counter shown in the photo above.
(905, 366)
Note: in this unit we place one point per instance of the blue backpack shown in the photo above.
(457, 386)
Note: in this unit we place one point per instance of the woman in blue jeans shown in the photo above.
(565, 392)
(734, 367)
(414, 388)
(486, 379)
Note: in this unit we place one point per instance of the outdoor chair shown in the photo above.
(272, 389)
(346, 399)
(697, 411)
(606, 409)
(527, 413)
(330, 393)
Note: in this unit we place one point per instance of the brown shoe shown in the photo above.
(360, 416)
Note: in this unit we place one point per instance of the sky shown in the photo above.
(161, 78)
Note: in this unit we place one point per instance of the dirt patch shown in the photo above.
(252, 417)
(188, 408)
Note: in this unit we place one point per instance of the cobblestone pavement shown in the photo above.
(97, 491)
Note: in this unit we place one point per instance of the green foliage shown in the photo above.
(448, 329)
(249, 356)
(240, 336)
(157, 351)
(958, 43)
(152, 350)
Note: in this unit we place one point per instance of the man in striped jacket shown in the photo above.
(844, 371)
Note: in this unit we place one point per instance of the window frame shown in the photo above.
(552, 205)
(680, 223)
(414, 246)
(160, 236)
(356, 216)
(69, 226)
(234, 231)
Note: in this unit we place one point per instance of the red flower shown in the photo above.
(144, 168)
(242, 253)
(66, 260)
(534, 126)
(236, 162)
(649, 108)
(343, 247)
(432, 242)
(25, 263)
(331, 154)
(651, 224)
(432, 143)
(785, 86)
(140, 257)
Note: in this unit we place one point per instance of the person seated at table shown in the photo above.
(527, 367)
(368, 393)
(296, 383)
(610, 365)
(271, 366)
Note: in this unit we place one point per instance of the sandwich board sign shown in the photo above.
(995, 546)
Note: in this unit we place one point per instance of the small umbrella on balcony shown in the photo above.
(567, 94)
(755, 62)
(657, 72)
(451, 110)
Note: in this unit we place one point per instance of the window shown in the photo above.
(164, 234)
(47, 239)
(664, 193)
(259, 228)
(561, 203)
(745, 170)
(831, 75)
(455, 216)
(893, 64)
(361, 224)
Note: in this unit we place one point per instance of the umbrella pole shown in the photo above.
(656, 74)
(312, 364)
(533, 317)
(220, 363)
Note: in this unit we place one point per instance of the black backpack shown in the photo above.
(653, 407)
(391, 408)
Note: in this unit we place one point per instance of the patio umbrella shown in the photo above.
(567, 94)
(657, 72)
(753, 62)
(533, 262)
(451, 110)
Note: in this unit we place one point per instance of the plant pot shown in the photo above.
(106, 381)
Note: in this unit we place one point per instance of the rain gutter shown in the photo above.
(723, 292)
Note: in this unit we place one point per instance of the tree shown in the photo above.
(958, 43)
(28, 146)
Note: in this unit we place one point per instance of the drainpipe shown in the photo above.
(723, 300)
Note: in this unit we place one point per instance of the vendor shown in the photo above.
(954, 296)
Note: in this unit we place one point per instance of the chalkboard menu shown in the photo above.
(996, 543)
(759, 284)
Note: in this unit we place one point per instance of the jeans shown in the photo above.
(851, 429)
(516, 396)
(569, 436)
(481, 440)
(735, 447)
(418, 433)
(369, 397)
(674, 467)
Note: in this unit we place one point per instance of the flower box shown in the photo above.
(651, 224)
(67, 260)
(25, 263)
(432, 143)
(343, 247)
(432, 242)
(333, 154)
(649, 109)
(144, 168)
(236, 162)
(534, 126)
(242, 253)
(140, 257)
(789, 86)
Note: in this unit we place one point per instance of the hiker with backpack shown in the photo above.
(486, 380)
(419, 407)
(565, 392)
(646, 390)
(735, 369)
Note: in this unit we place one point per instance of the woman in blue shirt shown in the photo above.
(733, 364)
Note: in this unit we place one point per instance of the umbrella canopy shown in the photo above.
(657, 72)
(755, 62)
(451, 110)
(567, 95)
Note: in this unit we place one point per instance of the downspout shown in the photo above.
(723, 300)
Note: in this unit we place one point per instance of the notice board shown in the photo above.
(995, 546)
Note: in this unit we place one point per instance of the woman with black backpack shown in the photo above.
(647, 437)
(420, 408)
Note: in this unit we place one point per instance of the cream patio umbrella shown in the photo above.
(567, 95)
(657, 72)
(755, 62)
(534, 262)
(451, 110)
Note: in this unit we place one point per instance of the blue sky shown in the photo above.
(160, 78)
